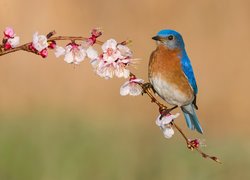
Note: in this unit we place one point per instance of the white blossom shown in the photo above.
(74, 54)
(165, 124)
(59, 51)
(124, 50)
(14, 41)
(39, 42)
(91, 53)
(168, 132)
(110, 51)
(131, 87)
(121, 71)
(106, 70)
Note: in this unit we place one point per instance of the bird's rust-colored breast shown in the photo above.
(165, 64)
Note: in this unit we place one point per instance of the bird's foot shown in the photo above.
(165, 111)
(147, 86)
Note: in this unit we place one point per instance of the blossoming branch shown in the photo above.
(113, 61)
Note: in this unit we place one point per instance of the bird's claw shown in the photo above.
(166, 111)
(146, 86)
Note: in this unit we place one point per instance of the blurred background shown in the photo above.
(60, 122)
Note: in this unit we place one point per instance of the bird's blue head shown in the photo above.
(169, 38)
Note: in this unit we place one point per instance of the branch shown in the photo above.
(192, 145)
(25, 47)
(72, 38)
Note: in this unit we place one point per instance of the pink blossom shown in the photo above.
(44, 53)
(165, 124)
(52, 44)
(197, 142)
(90, 41)
(31, 47)
(10, 39)
(131, 87)
(96, 32)
(7, 46)
(9, 32)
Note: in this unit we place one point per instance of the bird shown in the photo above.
(171, 75)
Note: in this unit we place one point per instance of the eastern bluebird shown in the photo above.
(172, 77)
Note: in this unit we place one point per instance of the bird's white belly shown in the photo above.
(170, 92)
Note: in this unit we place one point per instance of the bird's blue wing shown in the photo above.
(188, 71)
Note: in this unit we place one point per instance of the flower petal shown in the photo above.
(126, 73)
(168, 132)
(94, 63)
(69, 58)
(137, 80)
(111, 43)
(91, 53)
(121, 71)
(124, 90)
(14, 41)
(158, 121)
(79, 55)
(124, 50)
(109, 58)
(59, 51)
(9, 32)
(135, 90)
(39, 42)
(165, 120)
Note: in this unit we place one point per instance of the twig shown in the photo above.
(147, 90)
(72, 38)
(25, 47)
(191, 146)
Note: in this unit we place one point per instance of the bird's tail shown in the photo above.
(191, 118)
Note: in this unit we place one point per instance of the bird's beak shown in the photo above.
(157, 38)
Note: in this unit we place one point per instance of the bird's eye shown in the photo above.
(171, 37)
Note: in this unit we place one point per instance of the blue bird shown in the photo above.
(171, 75)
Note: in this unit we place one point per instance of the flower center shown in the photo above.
(110, 51)
(41, 41)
